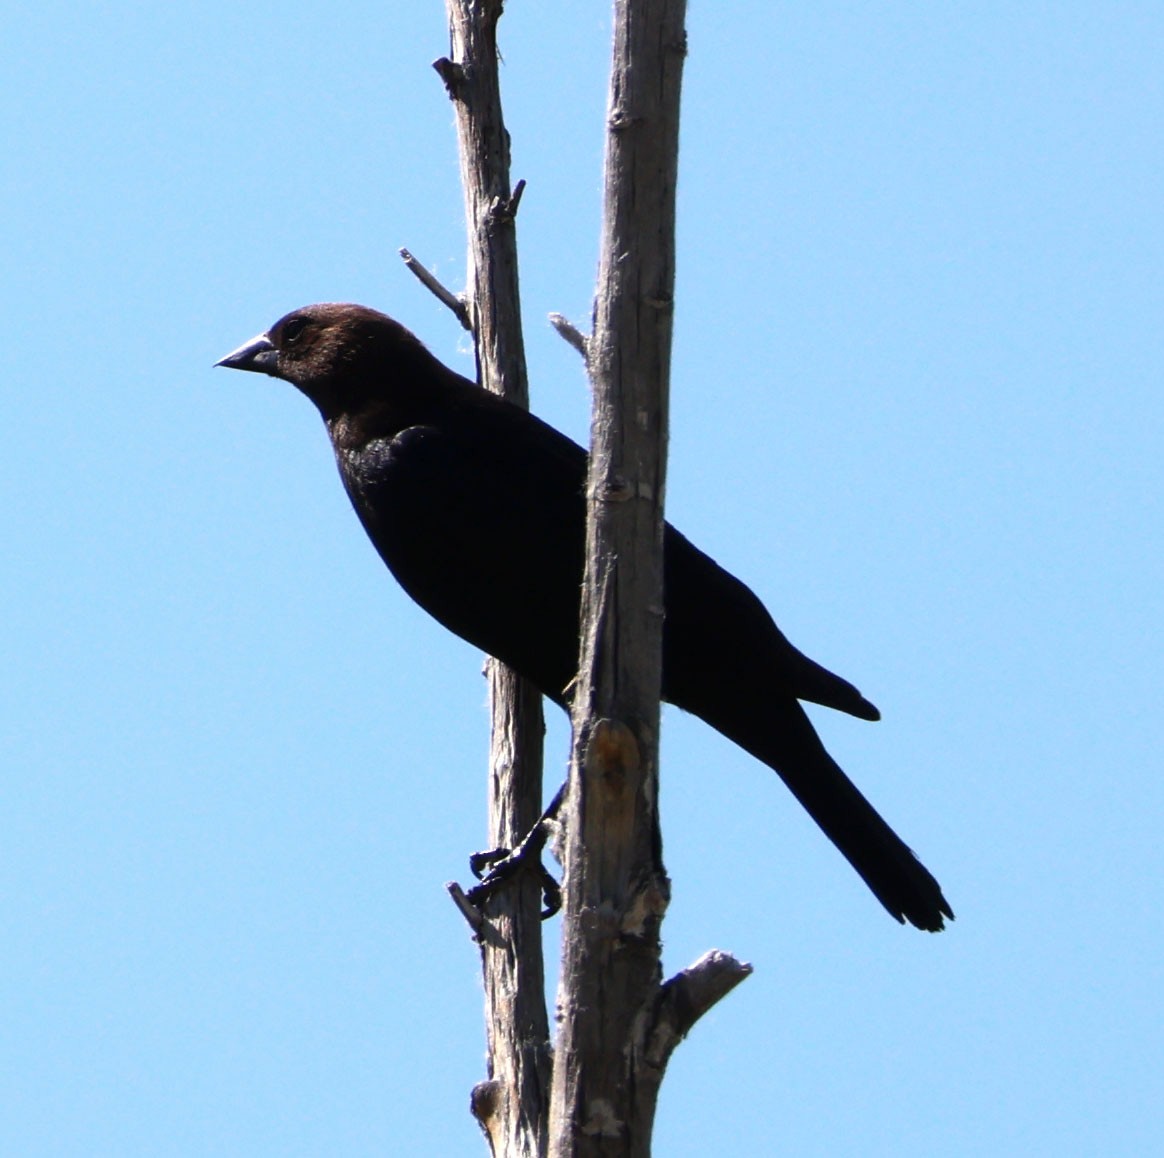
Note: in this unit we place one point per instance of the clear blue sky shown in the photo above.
(916, 405)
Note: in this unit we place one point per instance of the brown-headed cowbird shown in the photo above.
(477, 507)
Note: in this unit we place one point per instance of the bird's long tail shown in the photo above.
(781, 735)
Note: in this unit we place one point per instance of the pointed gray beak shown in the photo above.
(258, 354)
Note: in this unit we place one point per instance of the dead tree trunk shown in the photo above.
(618, 1021)
(512, 1103)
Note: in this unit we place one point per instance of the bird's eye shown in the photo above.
(292, 330)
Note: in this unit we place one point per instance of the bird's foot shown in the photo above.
(496, 867)
(481, 862)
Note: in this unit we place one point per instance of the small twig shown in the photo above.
(503, 211)
(515, 198)
(572, 334)
(468, 910)
(455, 302)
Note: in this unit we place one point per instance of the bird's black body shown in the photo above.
(477, 508)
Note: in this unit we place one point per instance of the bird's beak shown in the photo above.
(258, 354)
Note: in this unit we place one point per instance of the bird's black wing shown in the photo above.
(715, 621)
(486, 538)
(482, 522)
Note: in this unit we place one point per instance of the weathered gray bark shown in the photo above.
(512, 1104)
(617, 1022)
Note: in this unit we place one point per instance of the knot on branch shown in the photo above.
(453, 76)
(488, 12)
(620, 120)
(616, 489)
(485, 1104)
(601, 1121)
(647, 905)
(613, 755)
(619, 489)
(503, 210)
(612, 775)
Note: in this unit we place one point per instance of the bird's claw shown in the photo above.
(480, 863)
(494, 868)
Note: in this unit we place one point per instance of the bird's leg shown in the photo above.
(481, 862)
(497, 866)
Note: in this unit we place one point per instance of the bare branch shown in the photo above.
(515, 1111)
(572, 334)
(686, 997)
(468, 910)
(618, 1023)
(494, 302)
(616, 888)
(515, 200)
(455, 302)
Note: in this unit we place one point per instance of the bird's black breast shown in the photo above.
(485, 532)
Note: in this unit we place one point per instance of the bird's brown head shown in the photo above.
(344, 357)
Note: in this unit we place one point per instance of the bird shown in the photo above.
(478, 509)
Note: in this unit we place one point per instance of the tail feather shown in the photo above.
(789, 745)
(818, 685)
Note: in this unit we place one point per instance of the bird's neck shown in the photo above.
(352, 429)
(405, 403)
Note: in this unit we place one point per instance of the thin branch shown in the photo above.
(515, 1111)
(572, 334)
(455, 302)
(468, 910)
(515, 200)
